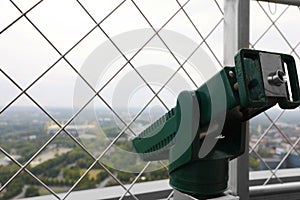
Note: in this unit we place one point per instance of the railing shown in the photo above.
(161, 189)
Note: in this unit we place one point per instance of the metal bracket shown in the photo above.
(273, 75)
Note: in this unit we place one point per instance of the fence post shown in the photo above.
(236, 36)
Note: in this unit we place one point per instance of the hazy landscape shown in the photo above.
(24, 130)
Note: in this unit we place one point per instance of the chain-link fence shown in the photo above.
(45, 46)
(274, 135)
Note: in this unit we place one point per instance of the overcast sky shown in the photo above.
(25, 54)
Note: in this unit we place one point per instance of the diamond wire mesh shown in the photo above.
(96, 93)
(273, 30)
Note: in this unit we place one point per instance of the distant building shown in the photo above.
(5, 161)
(270, 162)
(30, 137)
(292, 161)
(75, 130)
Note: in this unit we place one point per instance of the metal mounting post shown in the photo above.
(180, 196)
(236, 36)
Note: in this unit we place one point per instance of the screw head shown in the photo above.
(231, 74)
(277, 78)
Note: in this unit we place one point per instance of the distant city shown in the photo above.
(24, 130)
(277, 142)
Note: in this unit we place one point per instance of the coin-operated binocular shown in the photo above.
(204, 131)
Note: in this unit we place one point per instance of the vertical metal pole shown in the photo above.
(236, 36)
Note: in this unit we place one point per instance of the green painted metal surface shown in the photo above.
(235, 94)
